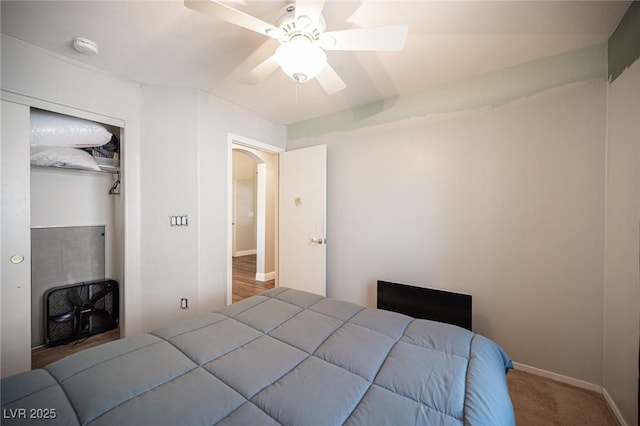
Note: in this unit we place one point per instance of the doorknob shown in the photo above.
(317, 240)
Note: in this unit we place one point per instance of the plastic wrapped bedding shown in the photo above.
(48, 128)
(62, 156)
(283, 357)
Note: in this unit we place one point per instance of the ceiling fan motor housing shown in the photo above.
(303, 26)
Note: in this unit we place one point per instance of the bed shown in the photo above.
(282, 357)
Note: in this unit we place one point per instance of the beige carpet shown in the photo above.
(540, 401)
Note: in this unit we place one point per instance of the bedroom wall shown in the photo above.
(504, 203)
(184, 171)
(217, 119)
(169, 182)
(622, 249)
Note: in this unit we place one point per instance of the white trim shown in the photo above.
(229, 220)
(558, 377)
(614, 407)
(244, 252)
(252, 143)
(261, 222)
(266, 277)
(60, 108)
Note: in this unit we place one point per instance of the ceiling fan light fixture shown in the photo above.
(301, 59)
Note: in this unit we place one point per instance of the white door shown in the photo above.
(302, 219)
(16, 241)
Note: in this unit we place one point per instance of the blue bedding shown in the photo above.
(283, 357)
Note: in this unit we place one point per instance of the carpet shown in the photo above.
(541, 401)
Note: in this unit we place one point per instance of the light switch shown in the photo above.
(179, 220)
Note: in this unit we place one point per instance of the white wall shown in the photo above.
(169, 186)
(184, 171)
(503, 203)
(622, 249)
(245, 197)
(217, 119)
(62, 197)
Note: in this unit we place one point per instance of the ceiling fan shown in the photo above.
(303, 40)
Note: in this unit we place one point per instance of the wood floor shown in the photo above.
(45, 355)
(244, 285)
(244, 278)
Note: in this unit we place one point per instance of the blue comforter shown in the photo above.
(284, 357)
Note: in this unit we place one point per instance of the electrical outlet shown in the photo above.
(184, 303)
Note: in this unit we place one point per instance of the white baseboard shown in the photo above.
(558, 377)
(244, 253)
(614, 407)
(573, 382)
(265, 277)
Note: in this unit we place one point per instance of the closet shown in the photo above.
(76, 227)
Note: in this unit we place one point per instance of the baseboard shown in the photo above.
(613, 407)
(265, 277)
(574, 382)
(244, 253)
(558, 377)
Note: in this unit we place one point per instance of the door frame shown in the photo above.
(235, 139)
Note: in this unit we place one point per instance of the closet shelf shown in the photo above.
(103, 169)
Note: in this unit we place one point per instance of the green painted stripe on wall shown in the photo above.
(491, 89)
(624, 43)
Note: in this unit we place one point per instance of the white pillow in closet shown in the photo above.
(48, 128)
(62, 156)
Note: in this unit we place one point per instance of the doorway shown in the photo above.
(253, 212)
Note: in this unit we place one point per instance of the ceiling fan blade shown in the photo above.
(233, 16)
(330, 80)
(391, 37)
(310, 8)
(260, 72)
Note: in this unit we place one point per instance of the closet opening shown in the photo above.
(77, 234)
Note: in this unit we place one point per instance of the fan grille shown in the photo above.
(80, 310)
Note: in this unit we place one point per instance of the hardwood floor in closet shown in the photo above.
(244, 285)
(45, 355)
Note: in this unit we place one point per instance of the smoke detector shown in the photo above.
(85, 46)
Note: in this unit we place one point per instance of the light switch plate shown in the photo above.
(179, 220)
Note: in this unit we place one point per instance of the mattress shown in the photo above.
(283, 357)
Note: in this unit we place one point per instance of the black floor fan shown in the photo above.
(80, 310)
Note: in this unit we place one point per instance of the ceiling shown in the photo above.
(165, 43)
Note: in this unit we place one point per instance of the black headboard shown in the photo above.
(425, 303)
